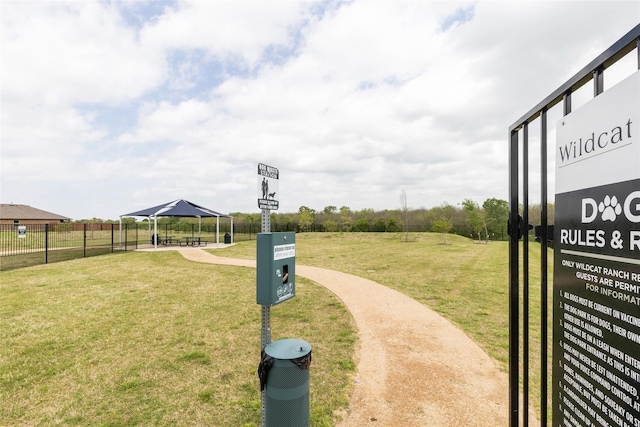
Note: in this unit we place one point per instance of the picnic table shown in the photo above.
(165, 240)
(194, 241)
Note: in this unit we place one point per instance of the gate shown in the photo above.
(521, 172)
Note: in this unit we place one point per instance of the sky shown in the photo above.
(108, 107)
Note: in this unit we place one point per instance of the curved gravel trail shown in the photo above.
(414, 368)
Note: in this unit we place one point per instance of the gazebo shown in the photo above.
(182, 208)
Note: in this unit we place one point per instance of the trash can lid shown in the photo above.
(288, 349)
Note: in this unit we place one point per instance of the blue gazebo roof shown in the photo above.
(178, 207)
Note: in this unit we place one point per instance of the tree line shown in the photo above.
(486, 221)
(468, 218)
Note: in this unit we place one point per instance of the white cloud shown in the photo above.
(57, 53)
(166, 121)
(236, 30)
(352, 101)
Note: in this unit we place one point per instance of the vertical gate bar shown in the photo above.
(598, 81)
(84, 240)
(566, 103)
(513, 281)
(543, 267)
(525, 275)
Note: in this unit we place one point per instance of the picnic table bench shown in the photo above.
(165, 240)
(194, 241)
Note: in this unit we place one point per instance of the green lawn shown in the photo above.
(142, 338)
(153, 339)
(463, 280)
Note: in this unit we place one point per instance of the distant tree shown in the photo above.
(405, 212)
(496, 213)
(330, 225)
(307, 216)
(361, 224)
(443, 224)
(284, 222)
(475, 218)
(392, 225)
(366, 213)
(91, 225)
(535, 213)
(254, 223)
(329, 210)
(345, 218)
(379, 225)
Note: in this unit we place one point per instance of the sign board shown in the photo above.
(275, 267)
(22, 231)
(268, 187)
(596, 286)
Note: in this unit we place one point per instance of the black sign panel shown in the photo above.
(596, 367)
(268, 195)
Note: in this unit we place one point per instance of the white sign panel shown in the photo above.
(284, 251)
(596, 283)
(268, 187)
(598, 143)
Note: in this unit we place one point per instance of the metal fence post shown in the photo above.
(84, 240)
(46, 243)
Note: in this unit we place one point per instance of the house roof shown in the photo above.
(24, 212)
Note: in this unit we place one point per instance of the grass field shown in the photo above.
(153, 339)
(464, 281)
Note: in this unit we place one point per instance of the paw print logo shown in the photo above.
(610, 208)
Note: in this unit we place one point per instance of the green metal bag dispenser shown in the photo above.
(276, 267)
(287, 383)
(284, 364)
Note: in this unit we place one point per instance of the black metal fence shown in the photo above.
(525, 167)
(32, 244)
(24, 245)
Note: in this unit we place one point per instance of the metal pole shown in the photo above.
(84, 239)
(46, 243)
(525, 275)
(514, 315)
(265, 333)
(544, 297)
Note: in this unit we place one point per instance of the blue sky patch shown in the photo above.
(139, 13)
(459, 17)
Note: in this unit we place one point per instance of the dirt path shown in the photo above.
(414, 368)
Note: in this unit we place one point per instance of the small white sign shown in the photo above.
(22, 231)
(284, 251)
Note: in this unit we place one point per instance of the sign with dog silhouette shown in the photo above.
(596, 286)
(268, 187)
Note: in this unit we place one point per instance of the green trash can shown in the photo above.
(227, 238)
(287, 383)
